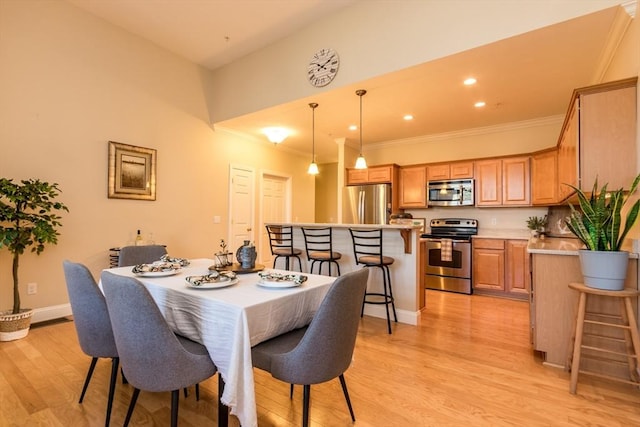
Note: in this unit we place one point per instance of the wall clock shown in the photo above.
(323, 67)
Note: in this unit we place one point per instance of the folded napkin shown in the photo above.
(446, 250)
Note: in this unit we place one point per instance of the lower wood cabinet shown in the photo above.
(501, 268)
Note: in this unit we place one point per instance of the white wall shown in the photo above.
(378, 37)
(69, 83)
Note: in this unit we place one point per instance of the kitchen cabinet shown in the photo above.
(517, 276)
(488, 264)
(598, 138)
(372, 175)
(503, 182)
(457, 170)
(553, 308)
(501, 267)
(607, 137)
(544, 178)
(568, 154)
(413, 187)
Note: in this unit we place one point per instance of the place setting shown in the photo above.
(213, 280)
(275, 280)
(165, 266)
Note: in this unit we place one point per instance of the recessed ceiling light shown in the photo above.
(353, 127)
(470, 81)
(408, 117)
(480, 104)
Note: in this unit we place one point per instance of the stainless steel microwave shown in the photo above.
(452, 192)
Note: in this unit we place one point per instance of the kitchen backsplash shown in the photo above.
(488, 218)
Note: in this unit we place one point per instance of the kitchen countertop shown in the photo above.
(563, 246)
(332, 224)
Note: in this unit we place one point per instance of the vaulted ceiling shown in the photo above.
(526, 77)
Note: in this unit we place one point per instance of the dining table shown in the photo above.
(231, 318)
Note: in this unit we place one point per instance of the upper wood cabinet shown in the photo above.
(455, 170)
(503, 182)
(568, 154)
(544, 178)
(413, 183)
(371, 175)
(607, 136)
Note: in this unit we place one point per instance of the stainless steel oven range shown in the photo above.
(448, 257)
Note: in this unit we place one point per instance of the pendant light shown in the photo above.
(361, 163)
(313, 167)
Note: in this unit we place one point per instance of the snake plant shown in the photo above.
(597, 223)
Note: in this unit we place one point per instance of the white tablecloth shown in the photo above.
(229, 321)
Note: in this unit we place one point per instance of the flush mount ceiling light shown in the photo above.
(408, 117)
(313, 167)
(470, 81)
(275, 134)
(479, 104)
(361, 163)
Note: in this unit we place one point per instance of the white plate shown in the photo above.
(211, 285)
(158, 273)
(278, 283)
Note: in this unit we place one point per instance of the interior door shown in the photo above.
(241, 206)
(275, 204)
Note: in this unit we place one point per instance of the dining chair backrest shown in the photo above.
(367, 245)
(326, 349)
(152, 357)
(134, 255)
(89, 308)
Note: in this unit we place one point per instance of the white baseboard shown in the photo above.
(49, 313)
(404, 316)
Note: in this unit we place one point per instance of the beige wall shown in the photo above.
(326, 201)
(69, 83)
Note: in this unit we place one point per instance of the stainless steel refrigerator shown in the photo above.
(367, 204)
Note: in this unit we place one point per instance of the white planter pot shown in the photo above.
(604, 269)
(15, 326)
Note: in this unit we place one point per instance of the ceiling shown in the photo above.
(529, 76)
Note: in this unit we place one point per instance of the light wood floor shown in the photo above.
(468, 364)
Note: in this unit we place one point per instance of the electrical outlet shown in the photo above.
(32, 288)
(494, 221)
(216, 219)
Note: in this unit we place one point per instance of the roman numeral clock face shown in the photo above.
(323, 67)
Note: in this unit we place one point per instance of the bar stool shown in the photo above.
(627, 322)
(281, 244)
(367, 250)
(318, 243)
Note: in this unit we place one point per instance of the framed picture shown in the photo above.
(132, 172)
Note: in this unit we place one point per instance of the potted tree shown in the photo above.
(28, 219)
(598, 224)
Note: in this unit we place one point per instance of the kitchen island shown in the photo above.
(401, 242)
(555, 264)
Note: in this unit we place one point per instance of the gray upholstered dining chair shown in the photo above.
(92, 323)
(153, 357)
(323, 350)
(134, 255)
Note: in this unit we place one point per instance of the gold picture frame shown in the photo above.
(132, 172)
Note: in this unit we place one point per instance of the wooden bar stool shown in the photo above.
(627, 323)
